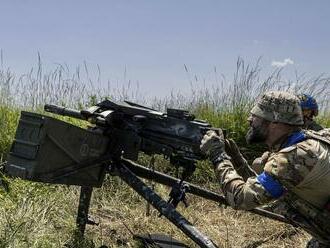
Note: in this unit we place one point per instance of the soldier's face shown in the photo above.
(258, 130)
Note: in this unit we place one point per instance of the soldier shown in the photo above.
(297, 170)
(310, 109)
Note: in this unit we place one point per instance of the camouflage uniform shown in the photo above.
(296, 172)
(259, 163)
(308, 103)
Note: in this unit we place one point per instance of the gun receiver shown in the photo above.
(133, 128)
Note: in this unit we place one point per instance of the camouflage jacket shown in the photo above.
(299, 174)
(259, 163)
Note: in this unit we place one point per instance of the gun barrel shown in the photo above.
(64, 111)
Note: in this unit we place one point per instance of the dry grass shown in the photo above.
(35, 215)
(228, 228)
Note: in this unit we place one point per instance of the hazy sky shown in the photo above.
(154, 39)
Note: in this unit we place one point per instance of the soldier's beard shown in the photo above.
(256, 135)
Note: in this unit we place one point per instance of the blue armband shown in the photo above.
(273, 187)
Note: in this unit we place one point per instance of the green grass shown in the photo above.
(8, 122)
(32, 215)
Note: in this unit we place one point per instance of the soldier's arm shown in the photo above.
(283, 170)
(238, 161)
(292, 165)
(241, 194)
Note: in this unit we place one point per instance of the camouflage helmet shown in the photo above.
(279, 106)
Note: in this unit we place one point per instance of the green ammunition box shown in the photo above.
(53, 151)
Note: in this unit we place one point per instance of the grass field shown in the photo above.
(42, 215)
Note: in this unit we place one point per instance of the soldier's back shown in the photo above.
(304, 168)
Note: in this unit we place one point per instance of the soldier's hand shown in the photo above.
(212, 145)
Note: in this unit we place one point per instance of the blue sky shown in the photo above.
(154, 39)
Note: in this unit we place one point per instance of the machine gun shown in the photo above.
(133, 128)
(49, 150)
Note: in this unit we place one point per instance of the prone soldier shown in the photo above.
(297, 170)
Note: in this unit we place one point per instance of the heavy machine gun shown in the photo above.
(133, 128)
(49, 150)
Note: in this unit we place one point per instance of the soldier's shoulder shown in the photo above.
(304, 153)
(310, 146)
(295, 161)
(277, 163)
(318, 134)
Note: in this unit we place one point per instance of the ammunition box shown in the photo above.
(48, 150)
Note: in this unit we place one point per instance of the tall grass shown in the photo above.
(83, 85)
(61, 85)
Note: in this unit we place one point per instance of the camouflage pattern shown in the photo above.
(239, 162)
(213, 145)
(259, 163)
(307, 103)
(279, 106)
(303, 169)
(239, 193)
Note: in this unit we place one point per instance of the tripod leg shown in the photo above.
(163, 207)
(84, 201)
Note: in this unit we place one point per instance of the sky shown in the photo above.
(151, 42)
